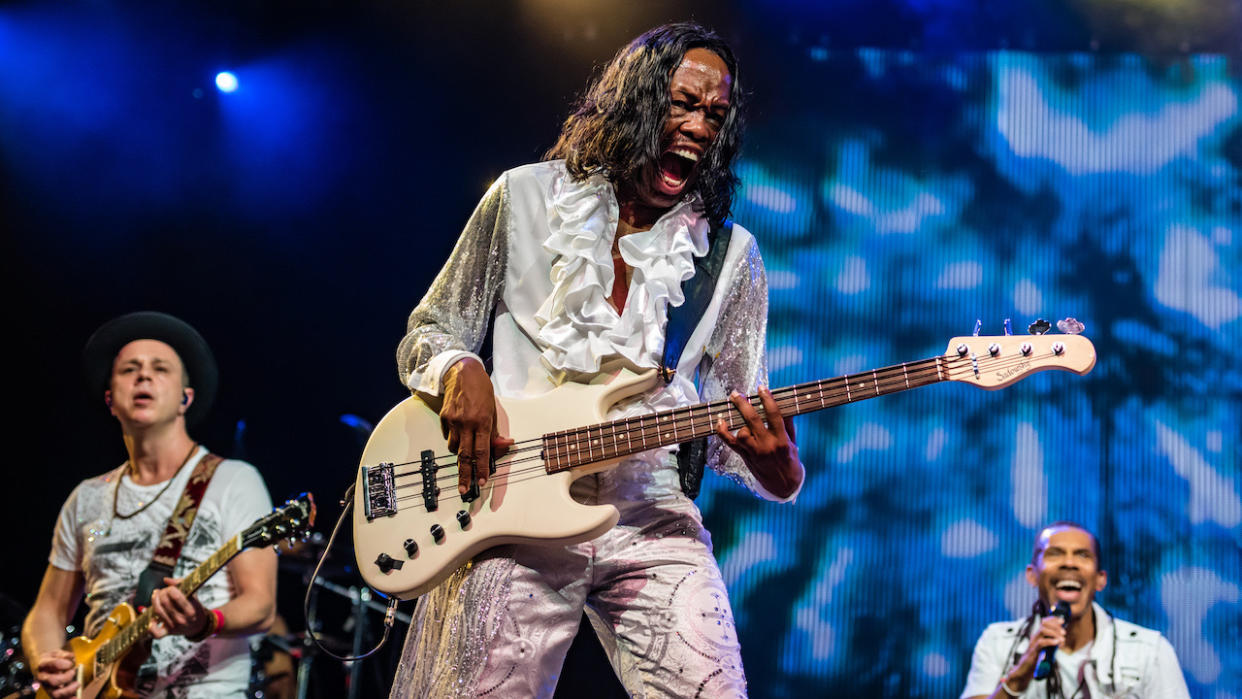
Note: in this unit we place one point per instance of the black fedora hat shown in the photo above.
(101, 350)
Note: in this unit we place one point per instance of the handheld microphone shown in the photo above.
(1043, 666)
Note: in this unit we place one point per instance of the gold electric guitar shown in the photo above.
(412, 528)
(108, 663)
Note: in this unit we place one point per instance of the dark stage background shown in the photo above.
(911, 166)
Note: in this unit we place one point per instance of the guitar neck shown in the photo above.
(138, 630)
(609, 440)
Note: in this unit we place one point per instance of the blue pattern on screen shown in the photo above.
(904, 198)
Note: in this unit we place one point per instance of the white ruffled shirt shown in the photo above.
(578, 327)
(537, 257)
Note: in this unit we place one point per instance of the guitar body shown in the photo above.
(114, 681)
(519, 504)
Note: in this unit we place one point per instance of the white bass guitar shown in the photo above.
(412, 528)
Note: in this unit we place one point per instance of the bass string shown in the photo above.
(511, 476)
(685, 418)
(635, 423)
(784, 397)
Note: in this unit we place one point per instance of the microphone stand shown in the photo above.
(309, 651)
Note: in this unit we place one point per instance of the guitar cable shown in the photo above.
(390, 614)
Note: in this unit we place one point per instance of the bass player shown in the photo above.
(574, 263)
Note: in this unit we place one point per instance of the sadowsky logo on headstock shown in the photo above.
(1013, 371)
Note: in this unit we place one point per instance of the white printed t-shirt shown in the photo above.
(112, 552)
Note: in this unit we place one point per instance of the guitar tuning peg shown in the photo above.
(1008, 327)
(1039, 327)
(978, 325)
(1070, 326)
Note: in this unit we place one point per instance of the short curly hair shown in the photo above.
(1067, 524)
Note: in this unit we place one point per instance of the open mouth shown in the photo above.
(1068, 590)
(675, 169)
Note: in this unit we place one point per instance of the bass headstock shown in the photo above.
(998, 361)
(293, 519)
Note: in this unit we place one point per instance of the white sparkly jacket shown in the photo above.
(535, 260)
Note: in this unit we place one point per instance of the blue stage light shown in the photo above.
(357, 423)
(226, 81)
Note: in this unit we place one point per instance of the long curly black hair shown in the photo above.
(616, 125)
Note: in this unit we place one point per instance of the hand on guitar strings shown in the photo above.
(468, 422)
(55, 672)
(769, 449)
(176, 614)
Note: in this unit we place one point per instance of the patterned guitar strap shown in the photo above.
(169, 548)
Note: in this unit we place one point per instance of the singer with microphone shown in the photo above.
(1070, 647)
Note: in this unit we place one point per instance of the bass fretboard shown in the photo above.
(568, 449)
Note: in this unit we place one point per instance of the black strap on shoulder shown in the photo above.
(682, 320)
(698, 291)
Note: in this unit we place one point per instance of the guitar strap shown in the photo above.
(682, 320)
(169, 548)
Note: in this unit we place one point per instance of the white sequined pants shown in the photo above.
(501, 627)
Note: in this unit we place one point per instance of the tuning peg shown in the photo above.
(978, 326)
(1070, 326)
(1039, 327)
(1008, 327)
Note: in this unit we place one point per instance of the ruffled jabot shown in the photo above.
(578, 328)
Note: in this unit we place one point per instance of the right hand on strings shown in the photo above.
(55, 672)
(468, 421)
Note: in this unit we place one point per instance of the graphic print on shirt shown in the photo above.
(121, 558)
(174, 656)
(118, 558)
(108, 529)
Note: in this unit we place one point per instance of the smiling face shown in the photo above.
(699, 103)
(1066, 568)
(147, 387)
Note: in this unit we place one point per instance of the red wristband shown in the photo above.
(214, 621)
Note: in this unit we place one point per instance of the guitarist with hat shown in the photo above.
(127, 535)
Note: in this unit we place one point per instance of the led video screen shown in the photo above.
(900, 197)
